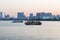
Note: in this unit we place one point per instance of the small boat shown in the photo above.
(33, 23)
(17, 21)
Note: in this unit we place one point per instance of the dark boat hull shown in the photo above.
(33, 23)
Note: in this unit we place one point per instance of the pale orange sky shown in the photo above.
(33, 6)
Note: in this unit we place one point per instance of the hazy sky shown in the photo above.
(14, 6)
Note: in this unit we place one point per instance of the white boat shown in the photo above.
(17, 21)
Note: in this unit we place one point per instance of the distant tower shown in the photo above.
(20, 15)
(31, 16)
(38, 14)
(0, 15)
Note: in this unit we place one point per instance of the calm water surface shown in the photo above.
(49, 30)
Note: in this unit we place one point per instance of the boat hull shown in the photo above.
(33, 23)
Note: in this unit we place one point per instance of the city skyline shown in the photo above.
(5, 13)
(13, 6)
(39, 16)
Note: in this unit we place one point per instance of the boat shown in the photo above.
(17, 21)
(33, 23)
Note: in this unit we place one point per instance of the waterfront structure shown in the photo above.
(7, 16)
(38, 16)
(1, 15)
(20, 15)
(43, 15)
(31, 16)
(57, 16)
(47, 16)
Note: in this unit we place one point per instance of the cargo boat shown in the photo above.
(33, 23)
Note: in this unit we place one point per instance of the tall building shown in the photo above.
(20, 15)
(38, 15)
(0, 15)
(31, 16)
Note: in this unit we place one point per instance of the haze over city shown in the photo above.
(13, 6)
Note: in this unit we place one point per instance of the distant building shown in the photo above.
(44, 15)
(20, 15)
(31, 16)
(57, 16)
(39, 15)
(7, 17)
(47, 16)
(1, 15)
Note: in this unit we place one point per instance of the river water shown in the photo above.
(49, 30)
